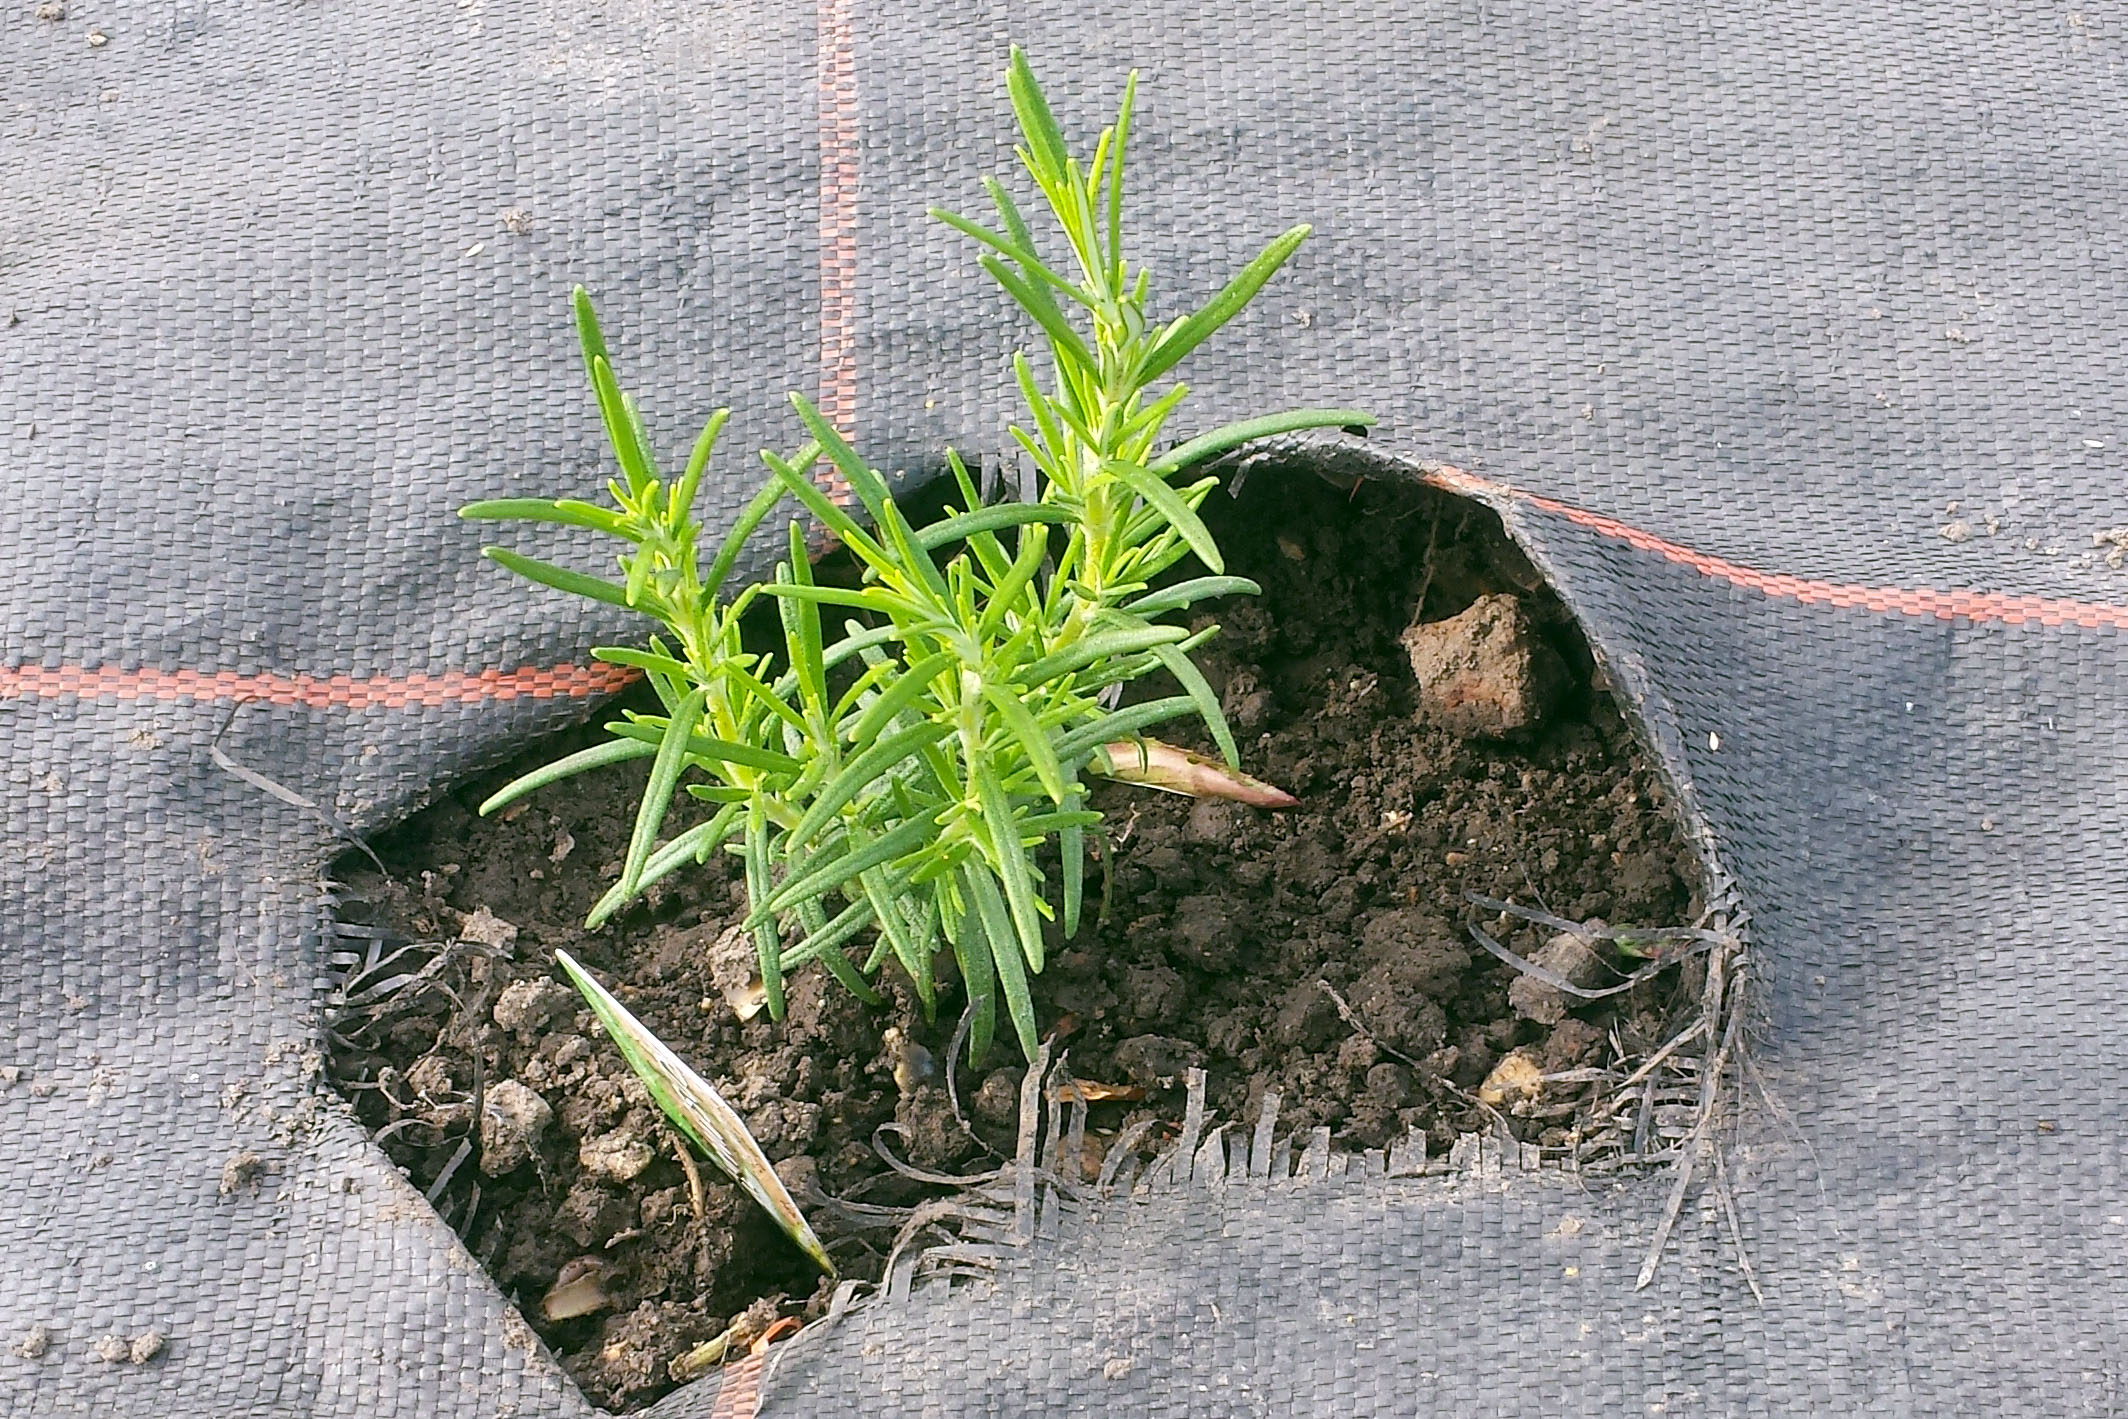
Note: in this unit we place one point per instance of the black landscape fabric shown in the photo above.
(1789, 338)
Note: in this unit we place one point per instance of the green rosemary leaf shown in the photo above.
(834, 873)
(1004, 952)
(642, 660)
(707, 750)
(1188, 334)
(820, 506)
(1101, 646)
(665, 774)
(559, 578)
(1045, 141)
(1156, 491)
(893, 702)
(734, 544)
(597, 756)
(683, 494)
(694, 846)
(1019, 723)
(768, 944)
(971, 951)
(1231, 436)
(1062, 338)
(564, 512)
(1071, 844)
(1075, 746)
(623, 428)
(861, 773)
(801, 629)
(994, 518)
(1004, 596)
(1188, 593)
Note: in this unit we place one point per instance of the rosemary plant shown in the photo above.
(893, 770)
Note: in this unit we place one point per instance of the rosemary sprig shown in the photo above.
(888, 783)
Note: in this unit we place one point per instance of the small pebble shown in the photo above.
(528, 1006)
(618, 1156)
(484, 928)
(577, 1291)
(1516, 1078)
(997, 1098)
(513, 1118)
(913, 1065)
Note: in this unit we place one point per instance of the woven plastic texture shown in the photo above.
(1742, 299)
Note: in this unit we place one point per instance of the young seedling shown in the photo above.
(896, 775)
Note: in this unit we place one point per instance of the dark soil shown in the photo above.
(1223, 926)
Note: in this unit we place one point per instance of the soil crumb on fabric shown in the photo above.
(1319, 951)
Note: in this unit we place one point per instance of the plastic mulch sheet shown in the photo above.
(1788, 337)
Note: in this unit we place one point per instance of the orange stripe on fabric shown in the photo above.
(739, 1389)
(1923, 602)
(451, 687)
(837, 59)
(457, 687)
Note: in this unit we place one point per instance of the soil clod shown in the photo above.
(619, 1156)
(527, 1007)
(1483, 671)
(240, 1173)
(513, 1119)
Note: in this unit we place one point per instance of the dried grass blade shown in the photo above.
(699, 1111)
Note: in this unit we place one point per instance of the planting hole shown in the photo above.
(1406, 675)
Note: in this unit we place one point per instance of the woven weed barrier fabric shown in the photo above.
(1789, 338)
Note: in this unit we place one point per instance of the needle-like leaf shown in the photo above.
(665, 773)
(1012, 866)
(716, 751)
(694, 845)
(597, 756)
(861, 773)
(1029, 737)
(1188, 593)
(1231, 436)
(971, 951)
(832, 874)
(768, 942)
(990, 519)
(1045, 141)
(683, 494)
(560, 578)
(1156, 491)
(1191, 333)
(1101, 646)
(995, 928)
(563, 512)
(1200, 693)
